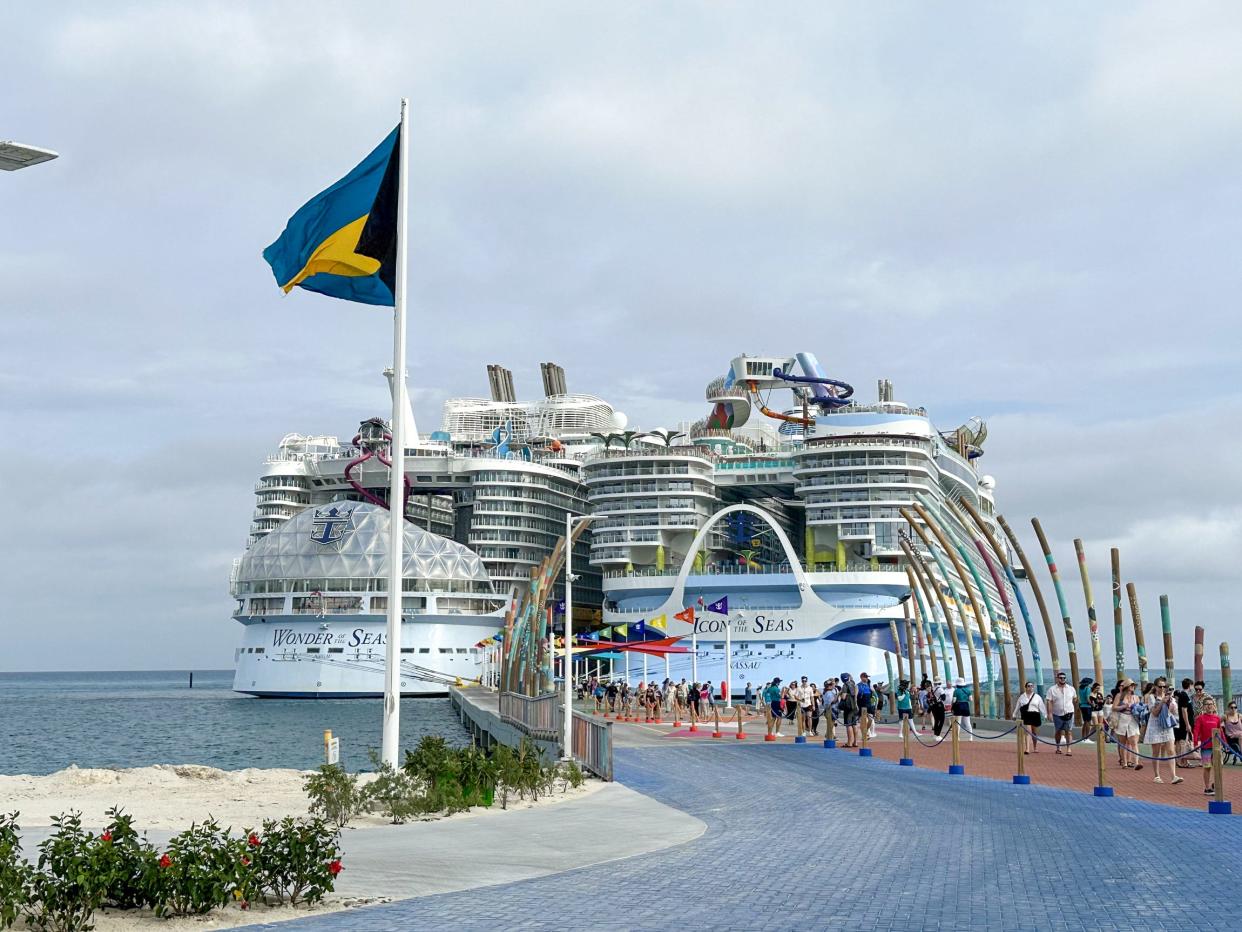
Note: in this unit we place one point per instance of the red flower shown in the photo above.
(253, 840)
(245, 904)
(165, 861)
(106, 836)
(334, 868)
(245, 861)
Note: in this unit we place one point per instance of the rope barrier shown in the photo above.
(989, 737)
(1057, 744)
(1136, 753)
(934, 744)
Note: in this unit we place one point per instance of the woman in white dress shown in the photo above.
(1162, 714)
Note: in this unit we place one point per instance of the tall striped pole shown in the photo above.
(1017, 592)
(892, 629)
(947, 616)
(910, 651)
(1139, 643)
(1092, 621)
(1226, 678)
(974, 605)
(1166, 628)
(1198, 653)
(1071, 648)
(923, 624)
(1119, 628)
(1039, 595)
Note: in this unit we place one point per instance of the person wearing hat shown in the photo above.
(935, 705)
(961, 707)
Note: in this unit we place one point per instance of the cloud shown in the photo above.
(1020, 212)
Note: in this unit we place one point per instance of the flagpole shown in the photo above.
(396, 488)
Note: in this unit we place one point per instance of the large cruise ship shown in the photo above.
(777, 516)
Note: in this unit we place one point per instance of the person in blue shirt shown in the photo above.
(905, 704)
(749, 696)
(772, 696)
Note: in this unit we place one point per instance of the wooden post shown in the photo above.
(956, 767)
(1071, 647)
(909, 631)
(1039, 595)
(1218, 806)
(1021, 778)
(1101, 786)
(944, 605)
(1166, 628)
(1226, 675)
(1119, 628)
(892, 629)
(864, 725)
(1198, 652)
(924, 611)
(716, 714)
(1139, 643)
(740, 733)
(1092, 622)
(906, 759)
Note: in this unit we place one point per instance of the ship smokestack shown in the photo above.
(553, 379)
(500, 380)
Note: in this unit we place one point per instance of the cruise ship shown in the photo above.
(777, 516)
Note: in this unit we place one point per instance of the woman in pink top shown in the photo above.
(1207, 723)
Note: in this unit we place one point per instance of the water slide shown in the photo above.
(826, 393)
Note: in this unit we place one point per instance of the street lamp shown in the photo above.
(567, 750)
(15, 155)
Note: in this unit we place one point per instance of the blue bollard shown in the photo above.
(864, 752)
(1220, 808)
(830, 743)
(1022, 779)
(957, 769)
(906, 762)
(1103, 791)
(800, 739)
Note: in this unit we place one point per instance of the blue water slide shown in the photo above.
(814, 376)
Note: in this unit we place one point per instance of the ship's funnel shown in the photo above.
(500, 380)
(553, 379)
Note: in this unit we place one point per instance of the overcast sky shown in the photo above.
(1028, 213)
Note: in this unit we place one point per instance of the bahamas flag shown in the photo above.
(343, 241)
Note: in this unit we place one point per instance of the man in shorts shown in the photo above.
(1061, 700)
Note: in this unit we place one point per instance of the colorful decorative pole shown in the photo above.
(1138, 633)
(1119, 628)
(1092, 621)
(1226, 677)
(925, 624)
(1071, 648)
(909, 630)
(1198, 653)
(974, 605)
(929, 581)
(1166, 628)
(1039, 595)
(892, 629)
(1003, 559)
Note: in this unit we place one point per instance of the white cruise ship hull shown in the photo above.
(342, 657)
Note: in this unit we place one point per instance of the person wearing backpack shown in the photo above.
(1161, 717)
(848, 704)
(935, 705)
(772, 696)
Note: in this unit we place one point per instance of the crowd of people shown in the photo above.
(1179, 726)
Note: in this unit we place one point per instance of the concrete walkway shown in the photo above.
(800, 837)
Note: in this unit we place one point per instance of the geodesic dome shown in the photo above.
(345, 539)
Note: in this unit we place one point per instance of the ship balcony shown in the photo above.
(718, 391)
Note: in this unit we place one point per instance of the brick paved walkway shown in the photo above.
(802, 837)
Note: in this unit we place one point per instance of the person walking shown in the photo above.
(961, 706)
(748, 696)
(936, 705)
(849, 710)
(1207, 725)
(1085, 686)
(1161, 717)
(829, 699)
(1031, 711)
(1185, 724)
(772, 696)
(905, 705)
(1061, 700)
(1127, 729)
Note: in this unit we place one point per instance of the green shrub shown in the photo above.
(198, 871)
(395, 794)
(14, 872)
(290, 861)
(123, 863)
(335, 794)
(573, 774)
(63, 892)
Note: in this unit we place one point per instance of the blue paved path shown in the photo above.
(925, 851)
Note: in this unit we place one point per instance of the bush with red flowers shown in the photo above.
(291, 861)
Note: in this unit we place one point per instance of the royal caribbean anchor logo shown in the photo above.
(332, 524)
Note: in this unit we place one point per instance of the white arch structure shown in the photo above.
(677, 595)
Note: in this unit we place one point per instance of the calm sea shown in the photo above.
(51, 720)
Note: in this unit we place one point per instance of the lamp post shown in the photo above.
(567, 736)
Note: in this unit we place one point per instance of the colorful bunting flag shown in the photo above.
(720, 606)
(687, 615)
(660, 621)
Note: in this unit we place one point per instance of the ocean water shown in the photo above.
(51, 720)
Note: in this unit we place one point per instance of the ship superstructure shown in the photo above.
(785, 502)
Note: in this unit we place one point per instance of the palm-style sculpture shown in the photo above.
(667, 436)
(628, 437)
(605, 439)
